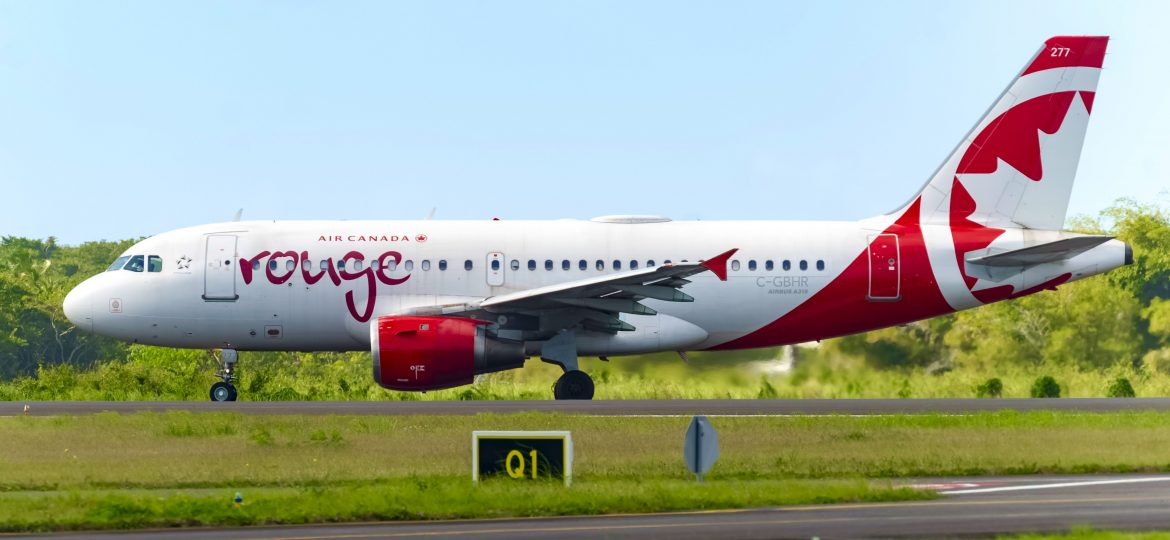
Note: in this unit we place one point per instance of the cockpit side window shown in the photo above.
(136, 264)
(154, 263)
(118, 263)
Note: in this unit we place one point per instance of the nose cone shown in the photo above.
(78, 306)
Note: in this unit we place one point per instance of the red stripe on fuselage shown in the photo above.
(841, 308)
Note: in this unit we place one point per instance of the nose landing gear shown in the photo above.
(225, 390)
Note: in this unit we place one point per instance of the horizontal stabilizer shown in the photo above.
(1043, 253)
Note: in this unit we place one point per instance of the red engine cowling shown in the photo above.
(429, 353)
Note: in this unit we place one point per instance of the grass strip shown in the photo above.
(1089, 533)
(211, 450)
(419, 498)
(178, 468)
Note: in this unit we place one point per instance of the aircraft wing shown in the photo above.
(614, 293)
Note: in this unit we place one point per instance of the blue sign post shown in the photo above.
(701, 446)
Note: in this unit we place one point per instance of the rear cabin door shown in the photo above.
(885, 268)
(219, 274)
(495, 269)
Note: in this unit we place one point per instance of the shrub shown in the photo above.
(1120, 387)
(991, 388)
(767, 391)
(1045, 387)
(904, 392)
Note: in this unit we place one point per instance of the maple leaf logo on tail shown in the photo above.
(1015, 169)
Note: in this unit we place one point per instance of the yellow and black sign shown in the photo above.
(522, 455)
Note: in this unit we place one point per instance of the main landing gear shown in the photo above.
(224, 390)
(562, 351)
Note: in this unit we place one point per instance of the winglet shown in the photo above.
(718, 264)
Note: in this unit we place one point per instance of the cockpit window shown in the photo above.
(118, 263)
(136, 264)
(155, 263)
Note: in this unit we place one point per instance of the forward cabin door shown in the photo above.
(885, 268)
(219, 274)
(495, 269)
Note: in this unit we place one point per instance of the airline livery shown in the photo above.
(438, 302)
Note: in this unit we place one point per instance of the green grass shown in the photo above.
(176, 468)
(1088, 533)
(417, 498)
(153, 373)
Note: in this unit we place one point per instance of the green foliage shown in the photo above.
(1120, 388)
(1045, 387)
(767, 391)
(35, 276)
(991, 388)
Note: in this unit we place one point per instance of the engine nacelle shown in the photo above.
(429, 353)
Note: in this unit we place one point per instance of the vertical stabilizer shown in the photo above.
(1016, 166)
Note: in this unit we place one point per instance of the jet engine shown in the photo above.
(430, 353)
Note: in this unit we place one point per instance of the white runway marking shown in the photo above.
(1057, 485)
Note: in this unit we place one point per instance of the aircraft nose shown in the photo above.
(78, 306)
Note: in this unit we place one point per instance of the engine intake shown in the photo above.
(430, 353)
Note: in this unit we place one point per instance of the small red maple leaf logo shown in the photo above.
(420, 238)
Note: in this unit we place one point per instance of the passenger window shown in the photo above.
(667, 261)
(155, 263)
(118, 263)
(515, 265)
(135, 264)
(787, 265)
(442, 265)
(391, 264)
(617, 265)
(820, 264)
(600, 264)
(650, 263)
(272, 265)
(306, 265)
(324, 264)
(565, 265)
(582, 264)
(735, 266)
(803, 264)
(495, 265)
(768, 265)
(426, 265)
(341, 264)
(531, 264)
(548, 265)
(409, 265)
(289, 265)
(633, 264)
(467, 265)
(752, 265)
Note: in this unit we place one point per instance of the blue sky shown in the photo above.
(126, 119)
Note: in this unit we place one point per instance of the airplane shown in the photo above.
(439, 302)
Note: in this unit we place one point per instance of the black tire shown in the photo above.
(222, 391)
(574, 385)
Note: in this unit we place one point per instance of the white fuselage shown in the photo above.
(202, 298)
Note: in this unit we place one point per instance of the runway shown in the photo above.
(971, 507)
(713, 407)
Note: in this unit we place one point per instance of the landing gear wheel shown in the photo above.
(574, 385)
(222, 391)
